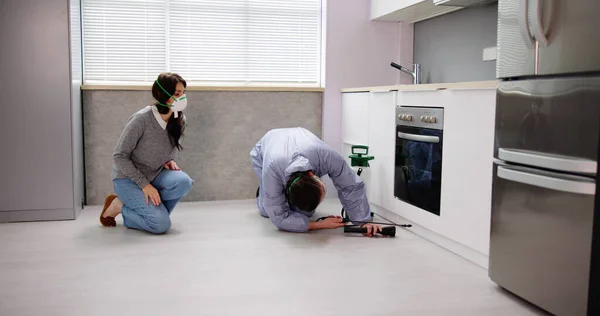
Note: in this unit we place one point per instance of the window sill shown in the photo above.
(202, 88)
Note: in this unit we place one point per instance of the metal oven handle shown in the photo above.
(548, 182)
(419, 138)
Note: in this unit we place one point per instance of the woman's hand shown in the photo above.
(171, 165)
(151, 193)
(372, 229)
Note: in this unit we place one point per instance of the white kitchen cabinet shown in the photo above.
(467, 170)
(368, 119)
(382, 126)
(355, 123)
(355, 118)
(463, 225)
(408, 11)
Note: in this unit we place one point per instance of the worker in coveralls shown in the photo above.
(289, 164)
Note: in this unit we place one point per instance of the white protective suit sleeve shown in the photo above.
(351, 189)
(277, 207)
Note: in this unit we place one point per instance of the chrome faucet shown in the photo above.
(416, 74)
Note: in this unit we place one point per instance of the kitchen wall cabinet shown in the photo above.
(408, 11)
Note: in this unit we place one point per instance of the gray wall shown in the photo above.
(35, 123)
(222, 128)
(450, 47)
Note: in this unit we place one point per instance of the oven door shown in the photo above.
(418, 167)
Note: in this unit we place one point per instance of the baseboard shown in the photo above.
(461, 250)
(36, 215)
(4, 217)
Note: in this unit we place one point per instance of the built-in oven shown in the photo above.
(418, 161)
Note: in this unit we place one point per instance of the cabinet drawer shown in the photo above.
(433, 98)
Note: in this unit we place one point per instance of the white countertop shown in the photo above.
(492, 84)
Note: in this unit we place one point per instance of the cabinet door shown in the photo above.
(355, 118)
(408, 11)
(382, 8)
(467, 166)
(382, 126)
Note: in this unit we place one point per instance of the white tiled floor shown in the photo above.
(222, 258)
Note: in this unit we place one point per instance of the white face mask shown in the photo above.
(179, 105)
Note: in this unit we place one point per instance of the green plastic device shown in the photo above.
(357, 159)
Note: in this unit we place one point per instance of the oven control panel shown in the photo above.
(420, 117)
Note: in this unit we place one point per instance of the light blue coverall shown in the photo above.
(281, 152)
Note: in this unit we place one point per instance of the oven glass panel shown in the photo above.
(418, 169)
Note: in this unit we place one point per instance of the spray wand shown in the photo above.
(358, 160)
(389, 230)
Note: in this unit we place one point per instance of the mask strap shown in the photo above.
(290, 187)
(310, 174)
(163, 89)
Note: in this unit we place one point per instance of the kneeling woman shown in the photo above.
(147, 182)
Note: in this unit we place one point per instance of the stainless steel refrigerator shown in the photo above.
(546, 151)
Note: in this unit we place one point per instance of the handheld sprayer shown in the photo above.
(359, 161)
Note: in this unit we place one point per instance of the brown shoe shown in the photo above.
(108, 221)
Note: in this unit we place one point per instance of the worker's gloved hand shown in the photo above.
(372, 229)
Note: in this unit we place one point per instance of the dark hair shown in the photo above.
(305, 192)
(175, 126)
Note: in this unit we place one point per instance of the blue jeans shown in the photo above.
(171, 185)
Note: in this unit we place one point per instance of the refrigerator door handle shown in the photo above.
(549, 161)
(524, 25)
(546, 181)
(537, 27)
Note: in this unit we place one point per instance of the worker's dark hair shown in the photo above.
(304, 191)
(175, 126)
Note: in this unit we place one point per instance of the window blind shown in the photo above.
(124, 40)
(208, 42)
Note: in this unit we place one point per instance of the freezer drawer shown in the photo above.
(568, 35)
(550, 116)
(541, 235)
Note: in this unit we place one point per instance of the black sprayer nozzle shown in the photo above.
(386, 231)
